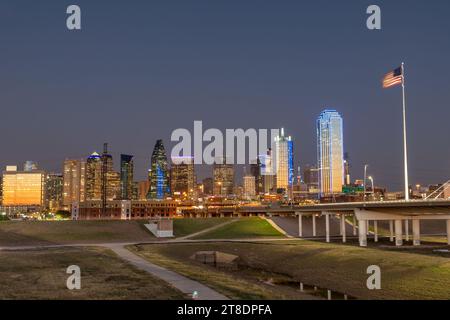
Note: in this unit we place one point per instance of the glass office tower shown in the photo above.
(126, 176)
(284, 161)
(159, 173)
(330, 152)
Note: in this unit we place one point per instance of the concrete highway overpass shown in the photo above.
(399, 214)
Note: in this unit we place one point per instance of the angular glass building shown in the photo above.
(159, 173)
(126, 176)
(330, 152)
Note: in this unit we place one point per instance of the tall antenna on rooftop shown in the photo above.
(104, 171)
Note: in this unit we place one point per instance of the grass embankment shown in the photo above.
(187, 226)
(41, 274)
(225, 282)
(244, 228)
(24, 233)
(340, 268)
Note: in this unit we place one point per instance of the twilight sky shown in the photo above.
(140, 69)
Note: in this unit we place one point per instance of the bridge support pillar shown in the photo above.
(448, 232)
(398, 233)
(375, 230)
(416, 232)
(391, 231)
(407, 230)
(343, 231)
(362, 225)
(354, 225)
(314, 225)
(327, 227)
(300, 225)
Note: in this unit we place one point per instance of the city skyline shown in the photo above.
(228, 158)
(284, 166)
(177, 66)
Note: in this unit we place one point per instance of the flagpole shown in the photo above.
(405, 149)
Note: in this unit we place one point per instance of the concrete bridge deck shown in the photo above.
(399, 215)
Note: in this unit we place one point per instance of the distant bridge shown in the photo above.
(398, 213)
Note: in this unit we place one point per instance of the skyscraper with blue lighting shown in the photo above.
(330, 152)
(284, 157)
(159, 173)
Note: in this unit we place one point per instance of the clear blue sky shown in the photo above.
(140, 69)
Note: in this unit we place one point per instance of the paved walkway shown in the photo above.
(124, 244)
(180, 282)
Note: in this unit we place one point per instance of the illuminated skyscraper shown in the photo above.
(284, 161)
(159, 173)
(126, 176)
(330, 152)
(182, 177)
(223, 178)
(23, 188)
(54, 191)
(249, 186)
(94, 177)
(95, 166)
(74, 189)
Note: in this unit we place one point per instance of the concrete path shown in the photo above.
(124, 244)
(180, 282)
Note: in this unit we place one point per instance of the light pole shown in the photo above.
(365, 176)
(373, 188)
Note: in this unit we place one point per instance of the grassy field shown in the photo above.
(41, 274)
(24, 233)
(243, 287)
(341, 268)
(184, 227)
(243, 228)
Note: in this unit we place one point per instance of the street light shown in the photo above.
(365, 175)
(373, 188)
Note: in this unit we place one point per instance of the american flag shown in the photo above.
(393, 78)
